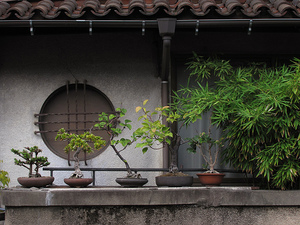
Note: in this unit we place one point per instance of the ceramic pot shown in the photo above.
(174, 181)
(78, 182)
(132, 182)
(213, 179)
(35, 181)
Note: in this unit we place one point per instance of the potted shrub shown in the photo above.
(209, 149)
(78, 143)
(153, 132)
(112, 124)
(31, 161)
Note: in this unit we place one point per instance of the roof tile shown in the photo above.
(75, 9)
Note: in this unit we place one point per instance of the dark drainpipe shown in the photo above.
(166, 27)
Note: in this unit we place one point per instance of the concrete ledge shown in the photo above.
(148, 196)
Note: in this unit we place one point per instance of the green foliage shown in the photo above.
(4, 178)
(258, 109)
(80, 141)
(205, 143)
(30, 158)
(152, 129)
(114, 127)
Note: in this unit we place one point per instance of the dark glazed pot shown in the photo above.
(78, 182)
(174, 181)
(35, 181)
(132, 182)
(213, 179)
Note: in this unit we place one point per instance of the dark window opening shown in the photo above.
(74, 107)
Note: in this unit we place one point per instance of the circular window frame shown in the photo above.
(54, 94)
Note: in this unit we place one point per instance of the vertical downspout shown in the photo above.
(166, 27)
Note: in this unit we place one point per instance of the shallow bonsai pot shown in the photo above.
(78, 182)
(131, 182)
(35, 181)
(174, 181)
(213, 179)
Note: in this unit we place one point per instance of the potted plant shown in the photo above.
(209, 150)
(31, 161)
(153, 132)
(78, 143)
(111, 123)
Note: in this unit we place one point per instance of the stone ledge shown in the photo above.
(148, 196)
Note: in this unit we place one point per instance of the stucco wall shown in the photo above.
(32, 67)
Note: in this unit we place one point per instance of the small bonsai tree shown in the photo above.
(4, 178)
(209, 148)
(114, 127)
(153, 132)
(78, 143)
(30, 160)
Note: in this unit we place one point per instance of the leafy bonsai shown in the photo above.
(258, 109)
(4, 178)
(30, 160)
(153, 132)
(112, 125)
(78, 143)
(209, 148)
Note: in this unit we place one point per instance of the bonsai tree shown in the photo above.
(4, 178)
(114, 127)
(209, 148)
(258, 109)
(78, 143)
(30, 160)
(153, 132)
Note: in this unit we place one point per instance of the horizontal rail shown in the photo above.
(94, 170)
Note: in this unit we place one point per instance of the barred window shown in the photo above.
(74, 107)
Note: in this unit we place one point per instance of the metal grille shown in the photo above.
(74, 107)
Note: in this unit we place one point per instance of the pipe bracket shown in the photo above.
(91, 28)
(197, 28)
(143, 27)
(31, 28)
(250, 27)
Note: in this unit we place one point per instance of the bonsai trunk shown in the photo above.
(174, 155)
(129, 171)
(77, 173)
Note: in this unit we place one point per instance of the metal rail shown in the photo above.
(94, 170)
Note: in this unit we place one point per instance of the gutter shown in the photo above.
(211, 23)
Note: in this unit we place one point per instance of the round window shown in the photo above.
(74, 107)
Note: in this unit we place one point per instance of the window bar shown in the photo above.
(68, 108)
(84, 110)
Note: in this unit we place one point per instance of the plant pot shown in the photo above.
(35, 181)
(78, 182)
(174, 181)
(211, 179)
(131, 182)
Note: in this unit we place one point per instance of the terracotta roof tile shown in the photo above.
(75, 9)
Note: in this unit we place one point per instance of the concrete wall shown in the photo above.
(134, 215)
(31, 67)
(151, 205)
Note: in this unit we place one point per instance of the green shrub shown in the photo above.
(258, 110)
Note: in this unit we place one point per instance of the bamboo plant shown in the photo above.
(258, 109)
